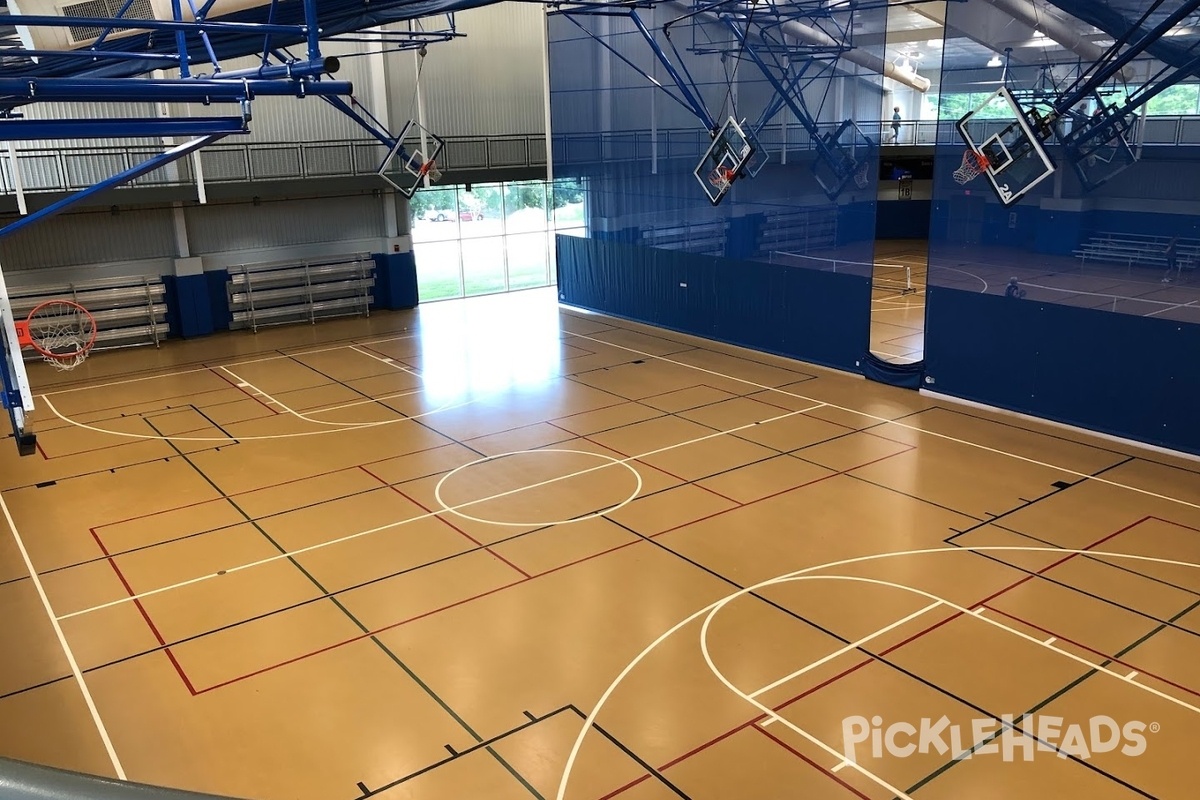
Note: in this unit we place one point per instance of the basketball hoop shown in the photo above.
(721, 178)
(429, 168)
(860, 175)
(61, 331)
(974, 164)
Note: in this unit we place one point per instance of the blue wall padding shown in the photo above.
(395, 280)
(903, 219)
(906, 376)
(218, 299)
(742, 238)
(189, 311)
(1129, 376)
(817, 316)
(1060, 232)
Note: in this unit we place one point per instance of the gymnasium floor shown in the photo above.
(898, 300)
(498, 549)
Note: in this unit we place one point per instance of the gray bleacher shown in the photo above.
(1137, 250)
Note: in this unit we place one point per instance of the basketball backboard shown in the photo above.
(844, 155)
(1011, 141)
(17, 396)
(1097, 144)
(732, 151)
(412, 161)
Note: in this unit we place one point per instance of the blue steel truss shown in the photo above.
(1089, 116)
(193, 45)
(762, 33)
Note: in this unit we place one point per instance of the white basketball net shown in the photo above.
(860, 176)
(62, 334)
(973, 165)
(721, 178)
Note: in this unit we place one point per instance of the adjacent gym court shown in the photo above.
(585, 400)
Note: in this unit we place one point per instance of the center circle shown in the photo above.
(537, 478)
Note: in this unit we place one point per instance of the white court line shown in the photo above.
(839, 767)
(62, 640)
(209, 368)
(334, 427)
(1131, 676)
(1052, 640)
(590, 720)
(1188, 304)
(749, 698)
(428, 515)
(842, 651)
(386, 360)
(897, 423)
(293, 412)
(261, 437)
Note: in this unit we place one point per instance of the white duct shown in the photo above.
(813, 36)
(1070, 37)
(869, 61)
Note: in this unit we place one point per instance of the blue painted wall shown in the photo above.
(816, 316)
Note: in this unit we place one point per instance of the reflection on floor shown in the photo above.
(898, 300)
(496, 549)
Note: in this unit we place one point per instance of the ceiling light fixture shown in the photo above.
(995, 62)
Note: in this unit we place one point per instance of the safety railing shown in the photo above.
(73, 168)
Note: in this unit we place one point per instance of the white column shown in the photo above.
(546, 93)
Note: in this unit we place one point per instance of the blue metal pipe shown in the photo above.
(297, 69)
(212, 56)
(91, 55)
(632, 65)
(801, 114)
(41, 21)
(15, 130)
(149, 165)
(180, 40)
(694, 104)
(104, 34)
(344, 107)
(1111, 68)
(312, 29)
(149, 91)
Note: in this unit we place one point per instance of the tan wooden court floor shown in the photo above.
(497, 549)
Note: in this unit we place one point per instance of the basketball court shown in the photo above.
(499, 548)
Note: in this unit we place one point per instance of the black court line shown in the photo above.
(1143, 455)
(358, 623)
(1024, 506)
(1073, 684)
(408, 570)
(484, 744)
(1113, 565)
(875, 657)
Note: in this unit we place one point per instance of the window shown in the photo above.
(496, 237)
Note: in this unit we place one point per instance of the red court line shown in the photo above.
(809, 761)
(422, 615)
(1061, 561)
(1094, 651)
(145, 615)
(444, 521)
(830, 681)
(791, 488)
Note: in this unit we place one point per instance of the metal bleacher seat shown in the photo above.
(1134, 249)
